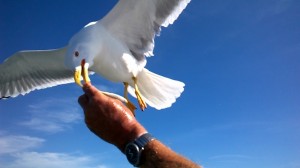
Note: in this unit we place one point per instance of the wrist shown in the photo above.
(133, 132)
(134, 149)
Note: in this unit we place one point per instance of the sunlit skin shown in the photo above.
(113, 122)
(109, 118)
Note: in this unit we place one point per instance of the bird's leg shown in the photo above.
(142, 103)
(129, 104)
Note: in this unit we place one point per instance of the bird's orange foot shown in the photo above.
(141, 102)
(131, 107)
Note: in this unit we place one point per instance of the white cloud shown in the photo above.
(14, 143)
(44, 125)
(53, 115)
(2, 132)
(51, 160)
(16, 151)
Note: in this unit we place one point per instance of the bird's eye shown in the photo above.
(76, 53)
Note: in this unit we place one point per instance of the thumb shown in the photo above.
(89, 89)
(83, 100)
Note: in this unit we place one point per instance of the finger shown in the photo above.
(89, 89)
(92, 91)
(83, 100)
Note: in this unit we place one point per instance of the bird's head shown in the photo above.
(79, 57)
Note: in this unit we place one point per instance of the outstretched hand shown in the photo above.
(108, 118)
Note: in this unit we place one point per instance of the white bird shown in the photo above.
(115, 47)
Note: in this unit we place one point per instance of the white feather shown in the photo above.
(26, 71)
(158, 91)
(136, 22)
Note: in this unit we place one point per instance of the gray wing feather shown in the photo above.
(136, 22)
(26, 71)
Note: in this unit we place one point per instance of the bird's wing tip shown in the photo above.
(5, 97)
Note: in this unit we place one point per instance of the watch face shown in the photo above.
(132, 153)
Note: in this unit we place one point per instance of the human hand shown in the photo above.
(108, 118)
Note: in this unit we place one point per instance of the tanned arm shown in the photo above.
(157, 155)
(113, 122)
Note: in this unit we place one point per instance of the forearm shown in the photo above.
(157, 155)
(113, 122)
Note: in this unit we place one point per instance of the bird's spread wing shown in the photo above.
(26, 71)
(136, 22)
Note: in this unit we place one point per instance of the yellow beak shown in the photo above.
(82, 70)
(77, 75)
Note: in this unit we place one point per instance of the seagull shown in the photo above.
(115, 47)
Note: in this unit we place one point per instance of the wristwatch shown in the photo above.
(134, 149)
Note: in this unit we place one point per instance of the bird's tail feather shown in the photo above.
(157, 91)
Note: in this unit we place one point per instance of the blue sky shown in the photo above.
(240, 61)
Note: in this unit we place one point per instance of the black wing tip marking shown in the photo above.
(4, 97)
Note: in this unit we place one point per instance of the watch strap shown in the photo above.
(143, 140)
(134, 149)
